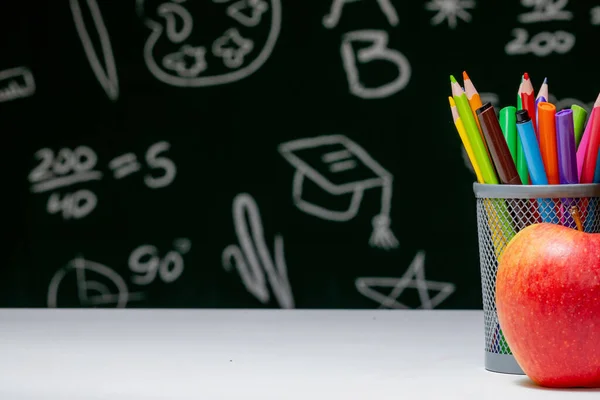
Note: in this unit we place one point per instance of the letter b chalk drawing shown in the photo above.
(340, 167)
(179, 52)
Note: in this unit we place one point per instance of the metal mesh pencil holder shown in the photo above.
(504, 210)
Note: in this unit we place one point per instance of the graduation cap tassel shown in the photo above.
(382, 235)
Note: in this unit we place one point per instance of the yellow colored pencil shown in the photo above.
(460, 127)
(477, 144)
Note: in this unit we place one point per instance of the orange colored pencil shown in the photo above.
(474, 102)
(547, 140)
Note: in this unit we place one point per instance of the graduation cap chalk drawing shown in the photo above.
(413, 278)
(340, 167)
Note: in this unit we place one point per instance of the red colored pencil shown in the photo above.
(591, 154)
(528, 101)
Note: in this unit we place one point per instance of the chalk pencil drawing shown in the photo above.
(107, 288)
(450, 11)
(16, 83)
(413, 278)
(340, 167)
(124, 165)
(544, 11)
(332, 19)
(253, 266)
(177, 53)
(595, 16)
(376, 51)
(104, 67)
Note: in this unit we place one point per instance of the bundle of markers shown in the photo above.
(530, 143)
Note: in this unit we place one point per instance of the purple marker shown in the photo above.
(567, 159)
(565, 146)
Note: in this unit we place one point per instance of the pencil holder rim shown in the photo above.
(580, 190)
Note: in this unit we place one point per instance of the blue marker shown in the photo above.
(535, 163)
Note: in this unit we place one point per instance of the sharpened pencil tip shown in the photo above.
(526, 76)
(545, 81)
(465, 76)
(452, 79)
(451, 100)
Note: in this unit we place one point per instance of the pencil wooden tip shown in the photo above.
(465, 76)
(597, 103)
(526, 76)
(545, 81)
(452, 79)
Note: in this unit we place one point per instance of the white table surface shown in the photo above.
(260, 354)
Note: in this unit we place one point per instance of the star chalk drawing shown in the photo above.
(413, 278)
(450, 10)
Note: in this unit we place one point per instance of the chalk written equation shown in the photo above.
(97, 285)
(57, 171)
(542, 43)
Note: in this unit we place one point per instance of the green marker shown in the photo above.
(579, 117)
(479, 150)
(508, 123)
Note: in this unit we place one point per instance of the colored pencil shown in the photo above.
(474, 100)
(528, 101)
(579, 116)
(479, 150)
(460, 127)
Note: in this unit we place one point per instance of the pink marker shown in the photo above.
(585, 139)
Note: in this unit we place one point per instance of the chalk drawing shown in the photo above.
(544, 11)
(339, 166)
(73, 205)
(450, 11)
(65, 168)
(16, 83)
(107, 289)
(258, 8)
(232, 48)
(595, 15)
(124, 165)
(251, 266)
(542, 44)
(335, 13)
(147, 264)
(106, 70)
(187, 63)
(413, 278)
(153, 160)
(377, 51)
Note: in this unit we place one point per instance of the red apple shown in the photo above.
(548, 302)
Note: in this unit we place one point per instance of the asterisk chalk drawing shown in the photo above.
(413, 278)
(450, 10)
(595, 14)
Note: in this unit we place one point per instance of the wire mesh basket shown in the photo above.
(504, 210)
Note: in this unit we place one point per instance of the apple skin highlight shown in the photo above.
(548, 303)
